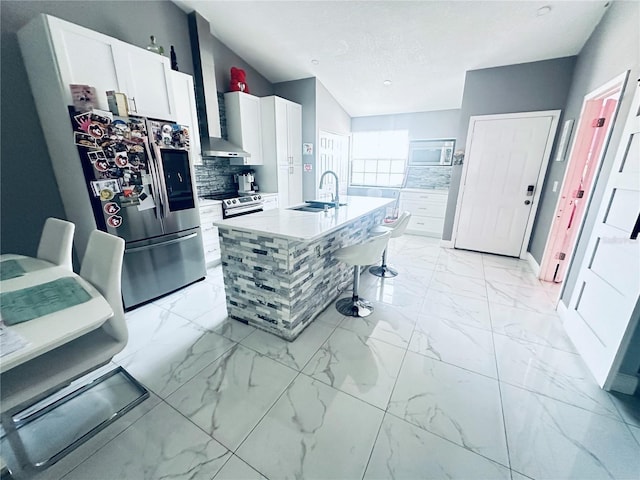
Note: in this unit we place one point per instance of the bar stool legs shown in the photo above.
(383, 270)
(359, 255)
(354, 306)
(396, 228)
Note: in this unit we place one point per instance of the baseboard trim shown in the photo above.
(447, 243)
(562, 310)
(533, 264)
(625, 383)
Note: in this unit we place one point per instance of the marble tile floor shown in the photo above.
(463, 371)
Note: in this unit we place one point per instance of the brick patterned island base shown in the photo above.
(279, 266)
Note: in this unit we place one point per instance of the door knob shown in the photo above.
(527, 202)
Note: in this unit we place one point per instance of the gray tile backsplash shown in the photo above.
(429, 177)
(215, 175)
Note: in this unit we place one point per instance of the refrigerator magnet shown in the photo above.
(111, 208)
(96, 130)
(83, 119)
(112, 185)
(114, 221)
(101, 116)
(106, 194)
(97, 155)
(84, 140)
(146, 200)
(101, 165)
(121, 159)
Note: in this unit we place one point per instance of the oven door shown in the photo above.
(238, 211)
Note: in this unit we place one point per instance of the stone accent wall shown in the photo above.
(281, 285)
(429, 177)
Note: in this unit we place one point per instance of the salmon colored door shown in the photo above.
(590, 142)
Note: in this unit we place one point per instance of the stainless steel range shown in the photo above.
(233, 207)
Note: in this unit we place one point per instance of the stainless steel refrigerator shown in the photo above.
(140, 181)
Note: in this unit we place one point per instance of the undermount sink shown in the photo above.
(307, 208)
(314, 206)
(322, 203)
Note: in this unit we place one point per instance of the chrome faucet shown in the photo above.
(336, 200)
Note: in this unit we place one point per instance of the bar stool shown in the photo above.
(358, 255)
(396, 228)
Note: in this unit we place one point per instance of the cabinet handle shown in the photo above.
(290, 170)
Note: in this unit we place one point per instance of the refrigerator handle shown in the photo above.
(154, 177)
(162, 244)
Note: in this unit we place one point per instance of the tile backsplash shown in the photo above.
(215, 175)
(438, 177)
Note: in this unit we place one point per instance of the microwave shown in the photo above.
(427, 153)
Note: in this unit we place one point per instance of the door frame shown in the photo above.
(615, 379)
(555, 117)
(617, 83)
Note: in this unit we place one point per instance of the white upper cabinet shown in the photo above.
(84, 57)
(282, 148)
(89, 58)
(186, 113)
(147, 81)
(244, 126)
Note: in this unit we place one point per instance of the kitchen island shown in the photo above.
(279, 266)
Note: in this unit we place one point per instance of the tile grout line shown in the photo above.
(495, 359)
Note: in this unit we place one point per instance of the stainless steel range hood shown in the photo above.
(219, 147)
(206, 93)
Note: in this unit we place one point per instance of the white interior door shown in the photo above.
(505, 163)
(599, 318)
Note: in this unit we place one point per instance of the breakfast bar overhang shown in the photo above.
(279, 266)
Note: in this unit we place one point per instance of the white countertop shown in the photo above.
(305, 226)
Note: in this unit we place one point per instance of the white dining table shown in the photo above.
(51, 330)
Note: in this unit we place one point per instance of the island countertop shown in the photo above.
(305, 226)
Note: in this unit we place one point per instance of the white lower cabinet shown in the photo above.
(427, 209)
(210, 211)
(270, 201)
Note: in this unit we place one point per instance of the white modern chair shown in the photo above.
(56, 242)
(396, 229)
(42, 376)
(37, 379)
(358, 255)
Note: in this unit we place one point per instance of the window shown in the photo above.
(379, 158)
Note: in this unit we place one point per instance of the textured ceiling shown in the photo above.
(423, 47)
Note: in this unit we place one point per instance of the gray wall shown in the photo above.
(224, 58)
(304, 92)
(28, 190)
(526, 87)
(421, 125)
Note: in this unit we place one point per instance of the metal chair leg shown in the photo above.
(355, 306)
(383, 271)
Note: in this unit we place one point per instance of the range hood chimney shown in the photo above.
(206, 93)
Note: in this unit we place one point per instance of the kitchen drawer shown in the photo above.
(424, 209)
(270, 202)
(430, 226)
(421, 197)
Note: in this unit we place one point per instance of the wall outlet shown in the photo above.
(555, 186)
